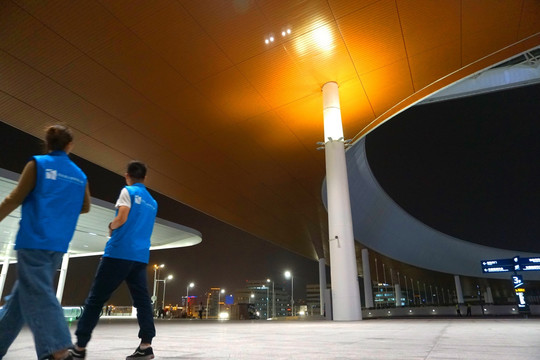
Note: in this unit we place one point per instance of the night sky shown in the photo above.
(469, 167)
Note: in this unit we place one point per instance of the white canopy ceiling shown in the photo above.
(91, 233)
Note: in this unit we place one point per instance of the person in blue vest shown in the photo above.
(125, 259)
(53, 192)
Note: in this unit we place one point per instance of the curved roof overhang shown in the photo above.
(382, 225)
(227, 122)
(450, 80)
(91, 233)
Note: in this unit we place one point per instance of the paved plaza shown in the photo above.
(459, 338)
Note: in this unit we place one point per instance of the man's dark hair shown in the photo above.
(136, 170)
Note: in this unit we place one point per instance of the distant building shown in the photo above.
(212, 298)
(259, 293)
(385, 296)
(313, 299)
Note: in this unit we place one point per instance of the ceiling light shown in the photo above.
(269, 39)
(288, 31)
(283, 33)
(323, 37)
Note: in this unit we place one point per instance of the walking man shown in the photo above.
(53, 192)
(125, 259)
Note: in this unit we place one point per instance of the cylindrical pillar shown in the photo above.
(5, 264)
(62, 278)
(368, 288)
(5, 268)
(273, 301)
(292, 295)
(398, 295)
(343, 269)
(489, 298)
(322, 282)
(459, 291)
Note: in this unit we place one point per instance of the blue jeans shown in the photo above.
(110, 274)
(33, 302)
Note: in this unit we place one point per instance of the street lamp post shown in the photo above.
(170, 277)
(156, 277)
(288, 275)
(190, 285)
(222, 291)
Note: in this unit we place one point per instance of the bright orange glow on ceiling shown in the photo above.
(227, 122)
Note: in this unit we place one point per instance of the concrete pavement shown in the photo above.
(434, 338)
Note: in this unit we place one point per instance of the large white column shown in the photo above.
(343, 269)
(397, 289)
(322, 282)
(62, 278)
(368, 288)
(459, 291)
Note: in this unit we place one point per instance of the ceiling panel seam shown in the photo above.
(209, 36)
(354, 66)
(461, 34)
(432, 87)
(405, 46)
(520, 19)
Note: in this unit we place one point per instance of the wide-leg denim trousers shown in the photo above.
(33, 302)
(110, 274)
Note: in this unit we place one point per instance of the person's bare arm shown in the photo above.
(24, 187)
(86, 202)
(120, 219)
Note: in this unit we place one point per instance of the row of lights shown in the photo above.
(433, 310)
(270, 39)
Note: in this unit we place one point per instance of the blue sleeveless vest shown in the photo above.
(51, 210)
(131, 241)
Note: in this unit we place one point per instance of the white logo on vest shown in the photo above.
(50, 174)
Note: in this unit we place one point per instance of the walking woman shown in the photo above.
(53, 191)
